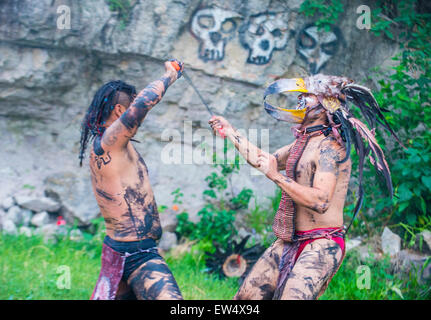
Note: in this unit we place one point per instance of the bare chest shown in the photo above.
(306, 165)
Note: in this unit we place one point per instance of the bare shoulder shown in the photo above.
(329, 153)
(330, 144)
(116, 136)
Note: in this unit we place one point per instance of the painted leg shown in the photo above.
(124, 292)
(154, 281)
(317, 263)
(261, 282)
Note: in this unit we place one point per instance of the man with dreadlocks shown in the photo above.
(131, 265)
(309, 221)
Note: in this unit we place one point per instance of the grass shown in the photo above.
(195, 283)
(383, 284)
(29, 269)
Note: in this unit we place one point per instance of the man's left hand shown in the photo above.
(267, 164)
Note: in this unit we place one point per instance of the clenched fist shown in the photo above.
(174, 68)
(267, 164)
(220, 124)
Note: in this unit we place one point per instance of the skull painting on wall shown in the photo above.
(264, 33)
(213, 27)
(316, 47)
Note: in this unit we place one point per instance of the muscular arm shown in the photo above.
(319, 195)
(118, 134)
(144, 102)
(124, 128)
(249, 151)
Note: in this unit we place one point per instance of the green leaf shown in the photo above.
(210, 193)
(389, 34)
(403, 206)
(427, 182)
(404, 193)
(403, 97)
(411, 218)
(423, 205)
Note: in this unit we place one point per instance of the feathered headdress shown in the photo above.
(334, 94)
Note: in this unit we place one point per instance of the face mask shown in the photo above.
(306, 102)
(282, 114)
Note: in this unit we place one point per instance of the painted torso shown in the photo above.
(122, 189)
(306, 218)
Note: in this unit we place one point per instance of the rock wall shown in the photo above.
(50, 69)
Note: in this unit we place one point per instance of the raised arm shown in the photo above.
(319, 195)
(118, 134)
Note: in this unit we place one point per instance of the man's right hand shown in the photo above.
(218, 122)
(172, 71)
(249, 151)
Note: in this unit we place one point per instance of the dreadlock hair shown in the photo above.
(100, 109)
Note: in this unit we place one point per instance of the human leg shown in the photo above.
(261, 282)
(315, 266)
(153, 280)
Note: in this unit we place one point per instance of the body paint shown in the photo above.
(97, 146)
(153, 280)
(132, 197)
(144, 102)
(101, 158)
(104, 195)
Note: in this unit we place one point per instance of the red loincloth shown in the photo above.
(292, 250)
(110, 274)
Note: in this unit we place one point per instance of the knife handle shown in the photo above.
(176, 65)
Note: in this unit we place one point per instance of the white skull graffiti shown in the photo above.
(213, 27)
(263, 34)
(317, 47)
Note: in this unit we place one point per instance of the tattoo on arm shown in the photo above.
(288, 180)
(144, 102)
(283, 179)
(328, 160)
(280, 164)
(237, 138)
(248, 150)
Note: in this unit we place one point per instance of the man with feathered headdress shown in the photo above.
(309, 221)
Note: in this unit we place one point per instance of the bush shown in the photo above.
(217, 217)
(406, 93)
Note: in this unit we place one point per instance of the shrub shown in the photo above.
(218, 215)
